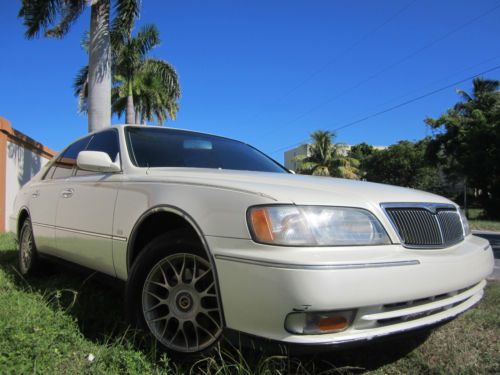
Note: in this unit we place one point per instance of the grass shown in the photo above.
(477, 222)
(55, 324)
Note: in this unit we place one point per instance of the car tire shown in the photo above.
(171, 293)
(28, 260)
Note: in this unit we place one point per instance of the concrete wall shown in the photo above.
(20, 159)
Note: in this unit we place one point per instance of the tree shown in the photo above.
(466, 142)
(143, 88)
(326, 158)
(404, 164)
(55, 17)
(362, 153)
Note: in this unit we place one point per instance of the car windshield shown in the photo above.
(156, 147)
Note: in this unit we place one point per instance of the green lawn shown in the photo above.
(477, 222)
(51, 324)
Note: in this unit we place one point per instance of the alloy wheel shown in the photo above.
(180, 305)
(27, 250)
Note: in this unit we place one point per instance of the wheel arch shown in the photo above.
(181, 219)
(21, 218)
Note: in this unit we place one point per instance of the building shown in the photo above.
(305, 149)
(290, 155)
(20, 159)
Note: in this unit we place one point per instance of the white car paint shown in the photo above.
(260, 284)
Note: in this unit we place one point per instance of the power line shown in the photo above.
(334, 60)
(434, 82)
(387, 68)
(352, 123)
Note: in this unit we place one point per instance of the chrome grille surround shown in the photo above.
(425, 225)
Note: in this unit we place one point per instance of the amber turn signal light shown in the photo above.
(261, 224)
(317, 323)
(333, 323)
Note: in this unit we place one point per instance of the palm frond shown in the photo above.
(126, 12)
(166, 73)
(38, 15)
(80, 86)
(85, 41)
(146, 39)
(70, 10)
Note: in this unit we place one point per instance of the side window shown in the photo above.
(65, 163)
(105, 142)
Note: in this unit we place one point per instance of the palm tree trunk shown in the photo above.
(99, 89)
(137, 117)
(130, 116)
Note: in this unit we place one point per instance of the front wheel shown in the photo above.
(175, 296)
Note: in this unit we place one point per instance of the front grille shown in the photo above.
(426, 226)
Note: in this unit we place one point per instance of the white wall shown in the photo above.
(290, 155)
(21, 165)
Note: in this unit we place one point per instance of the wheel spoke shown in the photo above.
(212, 319)
(184, 335)
(154, 295)
(198, 326)
(164, 277)
(164, 330)
(154, 307)
(165, 317)
(175, 334)
(183, 267)
(193, 278)
(166, 286)
(197, 337)
(201, 276)
(205, 292)
(177, 275)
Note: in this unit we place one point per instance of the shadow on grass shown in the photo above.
(98, 307)
(95, 303)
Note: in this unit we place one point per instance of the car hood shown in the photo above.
(298, 189)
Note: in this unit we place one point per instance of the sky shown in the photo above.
(270, 72)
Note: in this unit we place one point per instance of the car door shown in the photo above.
(84, 219)
(44, 196)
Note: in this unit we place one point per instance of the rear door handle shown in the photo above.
(67, 193)
(35, 194)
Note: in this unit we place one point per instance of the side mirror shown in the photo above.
(96, 161)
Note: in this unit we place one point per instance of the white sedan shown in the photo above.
(213, 237)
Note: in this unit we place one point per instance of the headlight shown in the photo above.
(465, 223)
(315, 226)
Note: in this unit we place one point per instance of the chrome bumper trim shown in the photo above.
(342, 266)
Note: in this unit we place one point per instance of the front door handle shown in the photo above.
(67, 193)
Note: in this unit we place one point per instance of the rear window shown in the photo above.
(154, 147)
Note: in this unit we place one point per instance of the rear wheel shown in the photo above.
(171, 293)
(28, 257)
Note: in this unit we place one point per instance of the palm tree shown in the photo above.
(484, 97)
(55, 17)
(326, 158)
(144, 88)
(320, 157)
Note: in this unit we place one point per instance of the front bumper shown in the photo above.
(393, 289)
